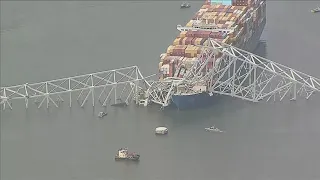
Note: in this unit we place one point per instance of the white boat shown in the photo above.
(213, 129)
(102, 114)
(161, 130)
(185, 5)
(316, 10)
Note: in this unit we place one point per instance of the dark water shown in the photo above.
(47, 40)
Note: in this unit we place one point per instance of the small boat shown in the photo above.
(213, 129)
(102, 114)
(316, 10)
(161, 130)
(124, 154)
(185, 5)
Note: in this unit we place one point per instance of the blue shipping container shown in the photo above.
(223, 2)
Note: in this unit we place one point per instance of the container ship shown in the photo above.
(239, 23)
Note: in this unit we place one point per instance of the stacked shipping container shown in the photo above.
(185, 51)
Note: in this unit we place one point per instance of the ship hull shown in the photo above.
(192, 101)
(199, 100)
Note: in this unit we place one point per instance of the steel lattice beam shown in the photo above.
(255, 78)
(240, 74)
(107, 84)
(236, 73)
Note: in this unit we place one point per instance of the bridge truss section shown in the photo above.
(240, 74)
(113, 87)
(250, 77)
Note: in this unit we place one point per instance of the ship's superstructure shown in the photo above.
(236, 22)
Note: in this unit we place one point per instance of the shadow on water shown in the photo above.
(261, 49)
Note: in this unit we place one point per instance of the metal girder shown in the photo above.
(113, 86)
(160, 92)
(235, 72)
(247, 76)
(240, 74)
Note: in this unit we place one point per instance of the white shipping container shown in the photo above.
(165, 69)
(203, 10)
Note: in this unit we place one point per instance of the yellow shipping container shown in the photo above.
(161, 77)
(213, 13)
(183, 34)
(176, 41)
(160, 65)
(196, 49)
(198, 41)
(170, 49)
(189, 49)
(205, 16)
(183, 41)
(189, 24)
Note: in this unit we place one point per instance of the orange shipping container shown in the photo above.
(181, 42)
(170, 49)
(171, 69)
(176, 41)
(189, 24)
(183, 34)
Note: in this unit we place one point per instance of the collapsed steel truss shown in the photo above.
(240, 74)
(129, 81)
(235, 72)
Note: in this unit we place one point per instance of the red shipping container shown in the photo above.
(205, 34)
(177, 53)
(193, 41)
(189, 40)
(193, 33)
(222, 22)
(203, 40)
(189, 34)
(171, 69)
(213, 34)
(168, 59)
(180, 41)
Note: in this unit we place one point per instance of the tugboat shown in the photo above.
(123, 154)
(316, 10)
(213, 129)
(102, 114)
(185, 5)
